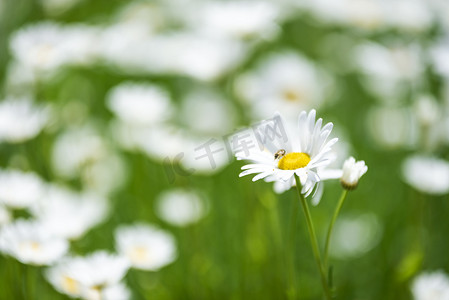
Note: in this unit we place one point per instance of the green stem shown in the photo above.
(292, 293)
(313, 239)
(331, 226)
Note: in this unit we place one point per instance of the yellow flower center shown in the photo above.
(138, 254)
(291, 95)
(70, 285)
(293, 161)
(35, 246)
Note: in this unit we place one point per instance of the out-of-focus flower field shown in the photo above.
(117, 127)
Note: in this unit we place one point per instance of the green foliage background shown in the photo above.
(239, 250)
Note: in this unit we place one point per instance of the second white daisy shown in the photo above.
(146, 247)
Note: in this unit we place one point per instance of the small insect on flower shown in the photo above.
(279, 154)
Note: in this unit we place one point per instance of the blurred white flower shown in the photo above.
(106, 175)
(76, 148)
(39, 46)
(352, 171)
(56, 7)
(373, 15)
(207, 112)
(114, 292)
(146, 247)
(202, 57)
(230, 19)
(5, 216)
(180, 207)
(392, 127)
(98, 271)
(427, 174)
(60, 278)
(21, 120)
(441, 10)
(355, 235)
(68, 214)
(145, 14)
(389, 70)
(160, 142)
(427, 110)
(157, 142)
(93, 277)
(301, 156)
(20, 189)
(431, 286)
(84, 152)
(361, 14)
(31, 243)
(205, 156)
(429, 115)
(285, 82)
(19, 78)
(139, 104)
(48, 46)
(125, 45)
(408, 15)
(440, 56)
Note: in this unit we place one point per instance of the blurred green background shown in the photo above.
(239, 249)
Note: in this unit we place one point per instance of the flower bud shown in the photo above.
(352, 171)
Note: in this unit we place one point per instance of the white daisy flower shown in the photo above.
(180, 207)
(146, 247)
(280, 186)
(20, 189)
(352, 171)
(301, 155)
(427, 174)
(431, 286)
(139, 104)
(21, 120)
(31, 243)
(90, 277)
(68, 214)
